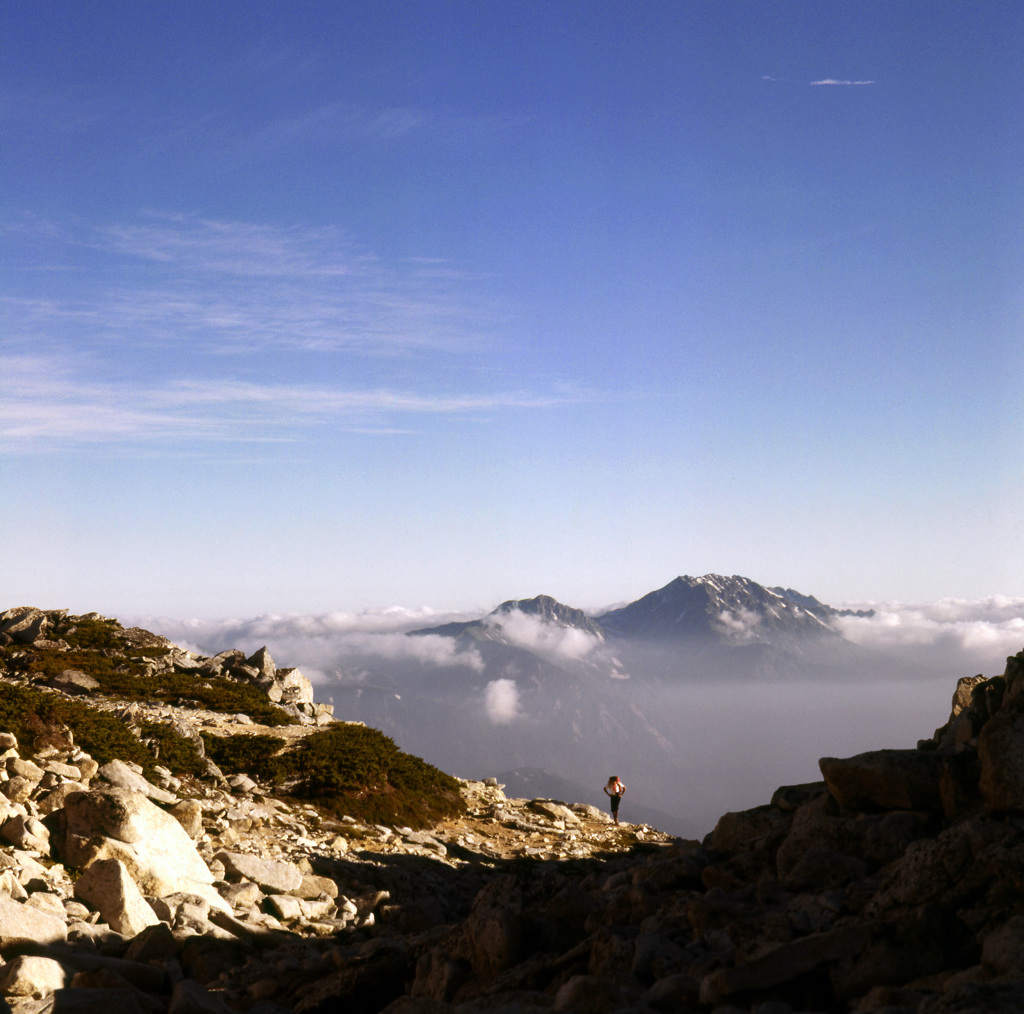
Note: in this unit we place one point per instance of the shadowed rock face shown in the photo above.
(894, 884)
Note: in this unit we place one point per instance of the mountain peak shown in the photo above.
(734, 609)
(550, 610)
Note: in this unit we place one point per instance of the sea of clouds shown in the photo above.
(972, 635)
(734, 741)
(977, 634)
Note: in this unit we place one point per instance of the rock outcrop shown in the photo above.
(894, 884)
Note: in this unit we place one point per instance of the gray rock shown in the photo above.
(553, 810)
(27, 833)
(189, 814)
(272, 876)
(263, 663)
(107, 886)
(24, 624)
(74, 681)
(32, 976)
(18, 789)
(113, 823)
(26, 768)
(20, 924)
(885, 780)
(294, 688)
(119, 774)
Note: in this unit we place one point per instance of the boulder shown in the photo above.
(74, 681)
(120, 774)
(20, 924)
(263, 664)
(18, 789)
(784, 962)
(496, 931)
(271, 875)
(113, 823)
(189, 814)
(107, 885)
(885, 780)
(1001, 753)
(29, 975)
(55, 800)
(586, 810)
(554, 811)
(744, 830)
(290, 687)
(26, 768)
(24, 624)
(27, 833)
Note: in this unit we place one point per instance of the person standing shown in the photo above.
(615, 790)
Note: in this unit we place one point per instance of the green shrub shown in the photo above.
(93, 634)
(122, 678)
(241, 753)
(36, 718)
(347, 769)
(45, 663)
(172, 750)
(214, 693)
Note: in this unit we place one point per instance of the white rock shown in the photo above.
(27, 833)
(47, 902)
(32, 976)
(108, 886)
(113, 823)
(118, 773)
(272, 876)
(20, 924)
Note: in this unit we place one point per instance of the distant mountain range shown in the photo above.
(708, 626)
(726, 610)
(537, 684)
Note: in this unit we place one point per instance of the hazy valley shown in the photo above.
(703, 695)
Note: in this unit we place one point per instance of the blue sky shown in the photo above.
(338, 306)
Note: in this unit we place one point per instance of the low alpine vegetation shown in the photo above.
(348, 769)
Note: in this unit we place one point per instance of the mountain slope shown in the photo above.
(715, 609)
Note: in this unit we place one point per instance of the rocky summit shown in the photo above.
(195, 834)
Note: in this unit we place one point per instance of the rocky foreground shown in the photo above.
(894, 884)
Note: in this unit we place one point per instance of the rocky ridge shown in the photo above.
(891, 885)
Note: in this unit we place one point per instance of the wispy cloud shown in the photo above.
(833, 81)
(824, 81)
(163, 328)
(44, 402)
(239, 286)
(245, 249)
